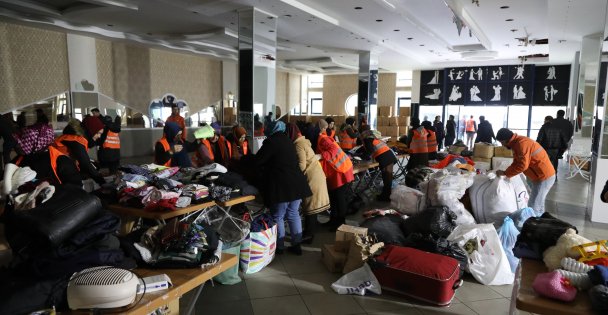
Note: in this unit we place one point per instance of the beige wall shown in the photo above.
(281, 90)
(337, 88)
(288, 89)
(33, 65)
(135, 75)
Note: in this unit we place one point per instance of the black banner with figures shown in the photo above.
(551, 85)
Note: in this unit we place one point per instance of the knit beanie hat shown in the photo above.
(93, 124)
(322, 124)
(504, 134)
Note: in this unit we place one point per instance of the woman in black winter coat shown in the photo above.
(283, 184)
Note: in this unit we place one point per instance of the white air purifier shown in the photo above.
(102, 287)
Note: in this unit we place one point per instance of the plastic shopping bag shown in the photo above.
(488, 262)
(508, 237)
(358, 282)
(407, 200)
(257, 250)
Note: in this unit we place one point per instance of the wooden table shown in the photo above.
(184, 280)
(128, 215)
(527, 300)
(364, 166)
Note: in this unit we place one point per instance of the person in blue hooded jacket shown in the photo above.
(170, 150)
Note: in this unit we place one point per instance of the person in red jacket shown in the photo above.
(529, 158)
(338, 169)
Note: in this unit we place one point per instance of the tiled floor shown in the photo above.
(301, 285)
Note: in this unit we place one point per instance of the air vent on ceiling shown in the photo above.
(479, 55)
(472, 47)
(525, 41)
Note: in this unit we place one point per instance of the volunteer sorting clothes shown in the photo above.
(108, 152)
(52, 165)
(238, 142)
(532, 160)
(178, 119)
(283, 184)
(417, 144)
(338, 169)
(218, 149)
(170, 150)
(348, 135)
(318, 132)
(73, 143)
(431, 140)
(202, 153)
(331, 128)
(309, 165)
(385, 157)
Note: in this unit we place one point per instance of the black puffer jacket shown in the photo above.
(551, 137)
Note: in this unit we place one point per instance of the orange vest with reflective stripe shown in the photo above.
(166, 147)
(340, 162)
(63, 149)
(431, 142)
(470, 125)
(331, 133)
(244, 146)
(419, 141)
(379, 148)
(54, 154)
(112, 141)
(223, 144)
(346, 142)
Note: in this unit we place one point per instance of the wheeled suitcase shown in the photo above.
(421, 275)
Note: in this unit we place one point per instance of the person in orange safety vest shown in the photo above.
(348, 135)
(471, 129)
(431, 140)
(380, 152)
(417, 139)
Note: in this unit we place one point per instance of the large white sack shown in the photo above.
(446, 188)
(407, 200)
(488, 262)
(521, 190)
(492, 198)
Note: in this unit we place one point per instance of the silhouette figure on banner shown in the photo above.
(451, 75)
(497, 88)
(497, 74)
(460, 74)
(474, 91)
(549, 93)
(455, 94)
(520, 73)
(518, 92)
(435, 79)
(434, 95)
(472, 74)
(551, 73)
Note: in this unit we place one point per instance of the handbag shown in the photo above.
(257, 250)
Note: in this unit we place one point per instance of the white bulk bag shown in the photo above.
(407, 200)
(492, 198)
(446, 188)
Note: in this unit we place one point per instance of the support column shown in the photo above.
(82, 64)
(368, 85)
(257, 68)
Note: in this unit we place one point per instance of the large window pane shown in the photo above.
(429, 113)
(518, 118)
(351, 104)
(540, 112)
(404, 78)
(316, 106)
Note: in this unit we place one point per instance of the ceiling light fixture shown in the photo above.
(509, 20)
(312, 11)
(378, 21)
(410, 38)
(514, 30)
(358, 8)
(421, 45)
(504, 7)
(475, 2)
(270, 31)
(110, 25)
(395, 30)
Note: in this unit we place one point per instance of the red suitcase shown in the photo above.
(421, 275)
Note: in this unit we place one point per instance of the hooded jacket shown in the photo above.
(529, 158)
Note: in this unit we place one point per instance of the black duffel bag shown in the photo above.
(543, 232)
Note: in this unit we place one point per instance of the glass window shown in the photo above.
(373, 115)
(315, 81)
(518, 118)
(538, 116)
(204, 116)
(351, 104)
(404, 98)
(54, 108)
(318, 103)
(404, 78)
(429, 112)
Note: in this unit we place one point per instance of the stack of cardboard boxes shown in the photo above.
(392, 125)
(229, 116)
(487, 157)
(503, 157)
(335, 255)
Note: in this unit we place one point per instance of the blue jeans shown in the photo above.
(291, 210)
(538, 193)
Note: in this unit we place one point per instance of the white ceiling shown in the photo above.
(326, 35)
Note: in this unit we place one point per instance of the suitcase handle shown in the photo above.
(458, 284)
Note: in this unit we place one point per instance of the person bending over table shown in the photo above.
(385, 157)
(338, 169)
(169, 150)
(532, 160)
(309, 165)
(283, 184)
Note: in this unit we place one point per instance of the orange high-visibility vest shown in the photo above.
(419, 140)
(340, 162)
(379, 148)
(431, 142)
(112, 141)
(470, 125)
(346, 142)
(244, 146)
(223, 144)
(331, 133)
(54, 155)
(63, 149)
(166, 147)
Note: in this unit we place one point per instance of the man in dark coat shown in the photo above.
(485, 133)
(566, 128)
(439, 132)
(450, 131)
(552, 139)
(283, 184)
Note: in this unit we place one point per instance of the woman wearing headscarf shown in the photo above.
(309, 165)
(212, 147)
(380, 152)
(283, 183)
(238, 142)
(169, 150)
(338, 169)
(417, 142)
(108, 152)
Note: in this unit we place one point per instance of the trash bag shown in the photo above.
(387, 229)
(544, 231)
(358, 282)
(407, 200)
(446, 188)
(416, 176)
(488, 262)
(508, 237)
(520, 216)
(439, 221)
(438, 245)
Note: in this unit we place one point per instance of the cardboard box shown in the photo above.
(382, 121)
(501, 151)
(345, 234)
(393, 121)
(230, 111)
(385, 111)
(404, 120)
(480, 159)
(483, 150)
(332, 259)
(392, 131)
(405, 111)
(501, 163)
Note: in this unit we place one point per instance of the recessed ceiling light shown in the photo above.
(358, 8)
(504, 7)
(287, 15)
(309, 20)
(410, 38)
(395, 30)
(195, 12)
(421, 45)
(378, 20)
(509, 20)
(523, 50)
(270, 17)
(514, 30)
(110, 25)
(271, 31)
(308, 46)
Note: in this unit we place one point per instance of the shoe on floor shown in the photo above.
(295, 249)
